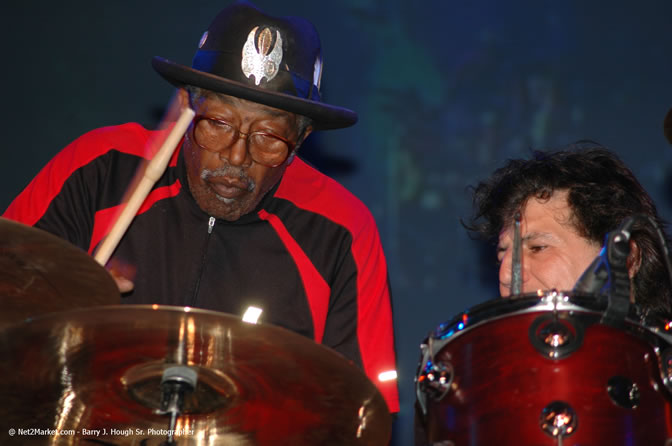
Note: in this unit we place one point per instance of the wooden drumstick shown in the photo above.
(516, 273)
(155, 168)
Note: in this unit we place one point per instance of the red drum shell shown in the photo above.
(502, 383)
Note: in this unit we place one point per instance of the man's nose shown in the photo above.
(506, 274)
(238, 154)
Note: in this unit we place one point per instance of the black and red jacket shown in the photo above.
(309, 255)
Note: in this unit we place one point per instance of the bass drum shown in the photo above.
(544, 370)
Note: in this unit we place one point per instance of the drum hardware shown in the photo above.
(175, 383)
(143, 384)
(558, 419)
(587, 369)
(618, 248)
(436, 379)
(666, 367)
(554, 298)
(608, 274)
(623, 392)
(556, 337)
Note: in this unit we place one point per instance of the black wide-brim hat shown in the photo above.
(275, 61)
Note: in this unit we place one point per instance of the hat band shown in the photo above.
(227, 65)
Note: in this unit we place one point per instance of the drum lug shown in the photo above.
(555, 337)
(436, 379)
(432, 374)
(666, 367)
(558, 419)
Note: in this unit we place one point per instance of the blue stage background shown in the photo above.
(446, 92)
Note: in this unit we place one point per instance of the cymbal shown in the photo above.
(41, 273)
(95, 375)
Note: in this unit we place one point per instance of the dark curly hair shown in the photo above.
(602, 192)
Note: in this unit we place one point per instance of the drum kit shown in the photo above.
(545, 369)
(78, 368)
(586, 367)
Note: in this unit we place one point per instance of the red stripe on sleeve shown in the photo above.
(102, 224)
(105, 218)
(31, 204)
(316, 288)
(159, 194)
(315, 192)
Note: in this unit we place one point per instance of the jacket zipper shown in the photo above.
(194, 297)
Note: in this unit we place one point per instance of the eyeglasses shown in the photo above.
(215, 135)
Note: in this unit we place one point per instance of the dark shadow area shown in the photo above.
(154, 116)
(667, 187)
(667, 179)
(313, 152)
(488, 270)
(667, 126)
(395, 432)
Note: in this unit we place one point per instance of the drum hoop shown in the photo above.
(552, 301)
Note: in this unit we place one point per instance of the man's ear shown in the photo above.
(634, 260)
(182, 98)
(300, 141)
(303, 137)
(307, 132)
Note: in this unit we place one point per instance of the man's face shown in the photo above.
(230, 183)
(553, 254)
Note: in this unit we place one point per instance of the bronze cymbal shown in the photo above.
(41, 273)
(97, 372)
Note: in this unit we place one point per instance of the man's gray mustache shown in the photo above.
(229, 172)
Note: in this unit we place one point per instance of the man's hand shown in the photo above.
(124, 285)
(122, 274)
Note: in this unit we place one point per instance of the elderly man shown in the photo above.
(238, 219)
(569, 200)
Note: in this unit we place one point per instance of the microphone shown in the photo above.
(595, 279)
(599, 278)
(608, 274)
(613, 259)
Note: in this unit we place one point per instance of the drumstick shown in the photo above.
(516, 273)
(155, 168)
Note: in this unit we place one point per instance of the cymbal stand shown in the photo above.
(176, 382)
